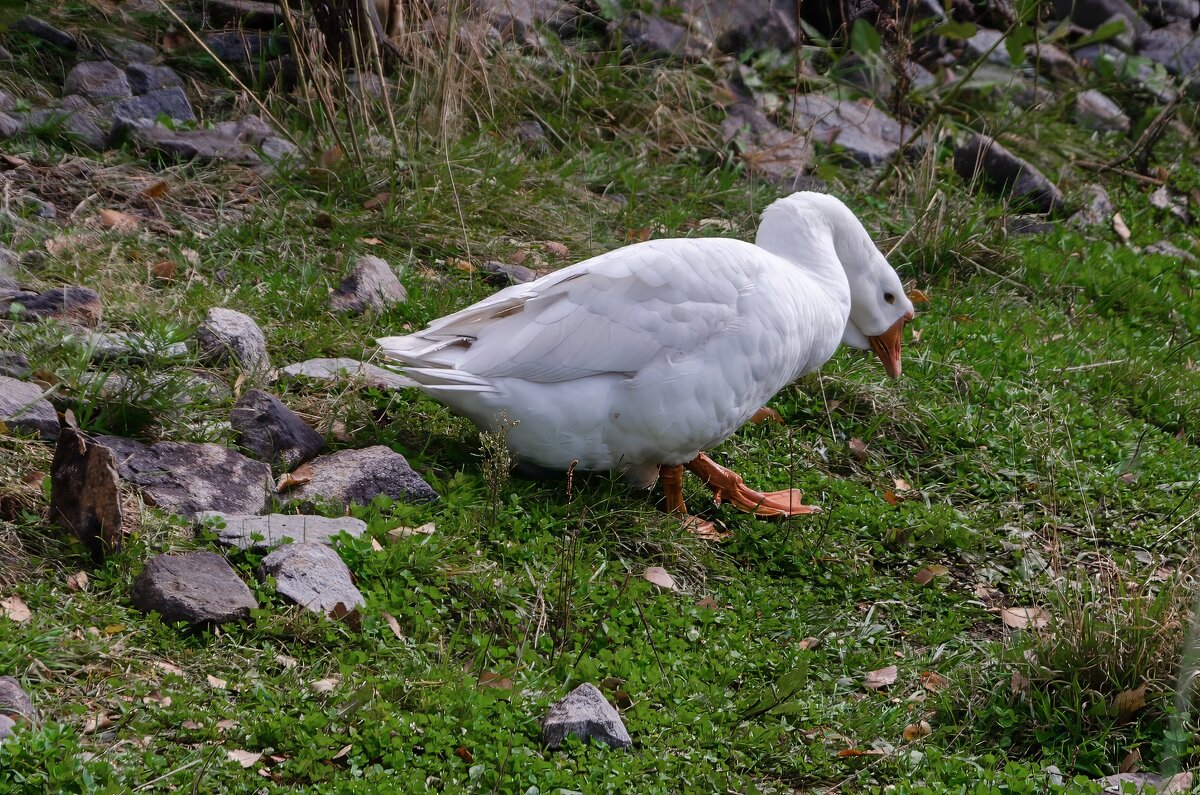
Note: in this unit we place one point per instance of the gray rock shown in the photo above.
(1091, 14)
(264, 532)
(7, 725)
(244, 48)
(169, 102)
(1144, 73)
(230, 336)
(371, 285)
(8, 269)
(345, 370)
(313, 576)
(1168, 249)
(1097, 210)
(196, 587)
(98, 81)
(502, 274)
(586, 714)
(1052, 62)
(1166, 12)
(10, 126)
(1095, 111)
(235, 141)
(866, 133)
(5, 55)
(7, 101)
(273, 432)
(746, 24)
(106, 345)
(14, 365)
(1176, 47)
(120, 49)
(276, 150)
(530, 131)
(1000, 171)
(980, 46)
(46, 32)
(144, 78)
(359, 476)
(73, 119)
(40, 208)
(249, 14)
(15, 703)
(365, 84)
(768, 151)
(655, 37)
(23, 409)
(517, 20)
(85, 494)
(187, 478)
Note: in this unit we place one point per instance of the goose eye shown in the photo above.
(889, 297)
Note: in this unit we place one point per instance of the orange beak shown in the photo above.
(887, 345)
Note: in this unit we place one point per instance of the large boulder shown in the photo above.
(312, 575)
(196, 587)
(586, 714)
(359, 476)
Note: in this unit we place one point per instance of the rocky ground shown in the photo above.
(149, 130)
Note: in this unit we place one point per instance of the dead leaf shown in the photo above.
(370, 241)
(349, 615)
(226, 724)
(639, 235)
(14, 609)
(1138, 782)
(115, 219)
(556, 248)
(926, 574)
(659, 576)
(1019, 683)
(392, 623)
(880, 678)
(766, 414)
(707, 603)
(463, 265)
(113, 629)
(858, 448)
(165, 270)
(848, 752)
(809, 643)
(331, 156)
(323, 221)
(489, 679)
(327, 685)
(155, 697)
(890, 497)
(462, 753)
(167, 667)
(1024, 617)
(216, 683)
(902, 485)
(77, 581)
(1119, 226)
(286, 661)
(915, 731)
(290, 480)
(1128, 702)
(191, 725)
(934, 682)
(95, 723)
(155, 191)
(397, 533)
(246, 759)
(377, 201)
(1131, 761)
(12, 161)
(345, 750)
(1161, 198)
(917, 297)
(518, 257)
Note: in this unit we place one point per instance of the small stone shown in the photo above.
(187, 478)
(1166, 12)
(1097, 210)
(244, 48)
(14, 365)
(74, 119)
(273, 432)
(1095, 111)
(10, 126)
(1002, 172)
(655, 37)
(120, 49)
(1052, 62)
(5, 55)
(586, 714)
(129, 345)
(85, 494)
(1168, 249)
(864, 132)
(7, 725)
(767, 150)
(247, 531)
(371, 285)
(23, 409)
(234, 141)
(359, 476)
(276, 150)
(1092, 14)
(365, 84)
(39, 208)
(1017, 225)
(169, 102)
(530, 131)
(8, 269)
(747, 24)
(71, 304)
(312, 575)
(1176, 47)
(501, 274)
(227, 335)
(144, 78)
(98, 81)
(989, 44)
(343, 369)
(46, 32)
(15, 703)
(196, 587)
(249, 14)
(518, 20)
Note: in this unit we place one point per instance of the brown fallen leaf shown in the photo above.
(463, 265)
(287, 662)
(809, 643)
(165, 270)
(880, 678)
(927, 573)
(1121, 228)
(227, 724)
(902, 484)
(489, 679)
(323, 221)
(370, 241)
(393, 624)
(890, 497)
(167, 667)
(1131, 762)
(848, 752)
(915, 731)
(349, 615)
(344, 750)
(556, 248)
(1128, 702)
(95, 723)
(77, 581)
(766, 414)
(216, 683)
(462, 753)
(934, 682)
(289, 480)
(14, 609)
(1024, 617)
(1019, 683)
(376, 546)
(707, 603)
(377, 201)
(156, 190)
(518, 257)
(659, 576)
(115, 219)
(917, 297)
(396, 533)
(327, 685)
(246, 759)
(858, 449)
(331, 156)
(639, 235)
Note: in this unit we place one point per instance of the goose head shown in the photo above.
(816, 230)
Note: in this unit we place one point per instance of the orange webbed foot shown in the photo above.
(728, 486)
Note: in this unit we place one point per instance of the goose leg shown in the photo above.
(728, 486)
(671, 478)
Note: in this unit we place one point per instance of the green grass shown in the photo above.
(1044, 426)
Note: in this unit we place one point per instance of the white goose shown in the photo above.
(640, 359)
